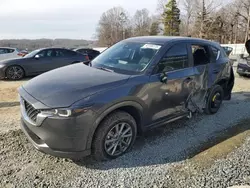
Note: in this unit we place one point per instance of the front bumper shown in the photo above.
(243, 69)
(2, 73)
(40, 145)
(65, 137)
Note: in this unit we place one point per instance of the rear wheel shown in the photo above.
(115, 136)
(214, 100)
(14, 72)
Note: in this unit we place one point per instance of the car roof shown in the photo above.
(166, 39)
(8, 48)
(55, 48)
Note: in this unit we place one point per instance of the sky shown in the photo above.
(74, 19)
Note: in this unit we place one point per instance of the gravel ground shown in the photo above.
(206, 151)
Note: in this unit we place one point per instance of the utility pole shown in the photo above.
(202, 19)
(248, 25)
(123, 21)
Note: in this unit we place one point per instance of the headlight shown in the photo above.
(2, 65)
(63, 112)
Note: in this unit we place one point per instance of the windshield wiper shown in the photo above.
(105, 69)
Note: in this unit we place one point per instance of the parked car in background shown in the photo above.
(228, 50)
(39, 61)
(243, 68)
(8, 53)
(91, 52)
(22, 53)
(136, 85)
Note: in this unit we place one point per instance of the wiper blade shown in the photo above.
(105, 69)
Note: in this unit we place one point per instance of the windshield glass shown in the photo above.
(31, 54)
(127, 57)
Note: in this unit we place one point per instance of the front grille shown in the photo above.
(31, 111)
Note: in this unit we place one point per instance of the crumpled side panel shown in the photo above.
(205, 79)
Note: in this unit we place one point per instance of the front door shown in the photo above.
(168, 99)
(48, 60)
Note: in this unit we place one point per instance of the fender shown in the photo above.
(110, 109)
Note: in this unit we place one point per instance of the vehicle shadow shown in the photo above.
(183, 139)
(24, 79)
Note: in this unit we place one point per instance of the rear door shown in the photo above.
(206, 71)
(208, 64)
(72, 57)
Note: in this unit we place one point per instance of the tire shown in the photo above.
(241, 75)
(214, 100)
(106, 134)
(14, 72)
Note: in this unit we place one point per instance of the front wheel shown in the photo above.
(14, 72)
(114, 136)
(214, 100)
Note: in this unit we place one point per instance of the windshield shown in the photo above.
(32, 54)
(127, 57)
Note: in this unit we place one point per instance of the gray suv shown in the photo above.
(136, 85)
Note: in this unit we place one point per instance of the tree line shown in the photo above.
(30, 45)
(208, 19)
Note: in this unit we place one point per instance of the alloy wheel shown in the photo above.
(118, 139)
(15, 73)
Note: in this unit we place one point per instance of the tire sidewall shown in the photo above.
(214, 90)
(99, 141)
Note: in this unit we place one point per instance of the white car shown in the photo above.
(8, 53)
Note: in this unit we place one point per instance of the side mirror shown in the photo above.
(37, 56)
(164, 77)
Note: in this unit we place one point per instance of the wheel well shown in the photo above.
(133, 111)
(223, 83)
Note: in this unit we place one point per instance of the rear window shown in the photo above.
(6, 50)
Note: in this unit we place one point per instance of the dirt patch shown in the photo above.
(8, 90)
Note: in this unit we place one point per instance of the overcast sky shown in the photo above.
(76, 19)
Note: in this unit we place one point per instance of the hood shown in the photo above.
(64, 86)
(248, 46)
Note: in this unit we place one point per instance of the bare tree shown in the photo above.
(141, 22)
(112, 26)
(204, 10)
(244, 6)
(189, 6)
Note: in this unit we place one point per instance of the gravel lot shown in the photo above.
(206, 151)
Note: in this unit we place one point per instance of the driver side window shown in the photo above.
(176, 58)
(47, 53)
